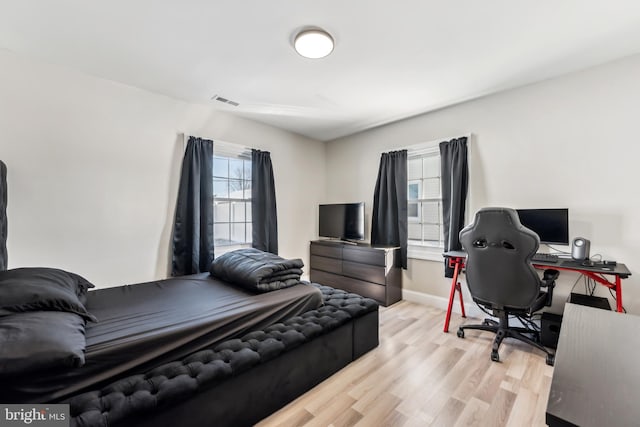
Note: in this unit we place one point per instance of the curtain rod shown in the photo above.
(432, 142)
(185, 139)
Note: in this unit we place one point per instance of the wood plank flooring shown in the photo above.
(420, 376)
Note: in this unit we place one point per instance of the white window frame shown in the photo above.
(228, 150)
(425, 250)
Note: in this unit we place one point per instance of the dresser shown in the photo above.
(370, 271)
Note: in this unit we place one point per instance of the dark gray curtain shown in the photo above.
(389, 221)
(263, 203)
(193, 226)
(3, 216)
(455, 179)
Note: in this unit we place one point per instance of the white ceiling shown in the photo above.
(392, 59)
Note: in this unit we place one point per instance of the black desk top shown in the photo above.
(596, 380)
(619, 269)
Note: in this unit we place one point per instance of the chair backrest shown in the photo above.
(498, 267)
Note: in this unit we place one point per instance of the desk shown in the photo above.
(609, 276)
(596, 380)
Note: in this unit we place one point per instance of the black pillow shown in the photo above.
(41, 340)
(36, 289)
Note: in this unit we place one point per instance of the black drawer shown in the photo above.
(330, 251)
(332, 265)
(367, 256)
(366, 272)
(360, 287)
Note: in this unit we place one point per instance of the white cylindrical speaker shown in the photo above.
(580, 249)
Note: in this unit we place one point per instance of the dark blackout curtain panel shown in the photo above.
(193, 226)
(455, 179)
(263, 203)
(3, 216)
(389, 221)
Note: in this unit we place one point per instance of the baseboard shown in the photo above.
(442, 303)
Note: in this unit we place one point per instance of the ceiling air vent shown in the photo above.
(224, 100)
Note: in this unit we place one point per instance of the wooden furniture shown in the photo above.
(370, 271)
(596, 380)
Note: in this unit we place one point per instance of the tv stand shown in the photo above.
(370, 271)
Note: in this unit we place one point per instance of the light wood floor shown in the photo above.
(420, 376)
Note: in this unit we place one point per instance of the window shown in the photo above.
(231, 201)
(425, 200)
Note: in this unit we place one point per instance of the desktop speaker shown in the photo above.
(580, 249)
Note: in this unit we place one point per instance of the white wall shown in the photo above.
(567, 142)
(93, 169)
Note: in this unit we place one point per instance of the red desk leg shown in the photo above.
(454, 286)
(459, 289)
(619, 308)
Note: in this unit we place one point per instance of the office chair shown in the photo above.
(501, 278)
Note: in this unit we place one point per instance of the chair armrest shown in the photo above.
(549, 281)
(549, 278)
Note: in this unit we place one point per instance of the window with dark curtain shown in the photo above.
(455, 180)
(193, 226)
(389, 219)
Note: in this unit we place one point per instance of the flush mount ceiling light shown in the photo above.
(313, 43)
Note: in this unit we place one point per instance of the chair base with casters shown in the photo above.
(503, 330)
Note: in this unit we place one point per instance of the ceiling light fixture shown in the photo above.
(313, 43)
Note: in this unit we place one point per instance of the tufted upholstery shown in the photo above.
(178, 380)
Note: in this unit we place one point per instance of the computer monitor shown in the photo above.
(551, 225)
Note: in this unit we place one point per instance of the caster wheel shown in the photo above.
(460, 333)
(551, 358)
(495, 356)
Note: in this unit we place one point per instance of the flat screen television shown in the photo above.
(551, 225)
(343, 221)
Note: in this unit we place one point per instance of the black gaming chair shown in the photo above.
(501, 278)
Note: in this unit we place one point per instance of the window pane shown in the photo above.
(249, 235)
(431, 188)
(413, 191)
(237, 211)
(221, 234)
(247, 170)
(414, 168)
(235, 189)
(431, 166)
(237, 232)
(431, 232)
(415, 231)
(413, 210)
(220, 188)
(221, 211)
(236, 168)
(248, 211)
(431, 212)
(247, 189)
(220, 167)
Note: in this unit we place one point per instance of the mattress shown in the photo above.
(141, 326)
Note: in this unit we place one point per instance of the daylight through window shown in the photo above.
(425, 199)
(231, 203)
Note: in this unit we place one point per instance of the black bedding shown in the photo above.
(143, 325)
(257, 270)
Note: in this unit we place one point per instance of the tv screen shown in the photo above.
(342, 221)
(551, 225)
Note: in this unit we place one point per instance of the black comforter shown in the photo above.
(144, 325)
(257, 270)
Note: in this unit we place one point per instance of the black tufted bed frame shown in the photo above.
(240, 381)
(236, 382)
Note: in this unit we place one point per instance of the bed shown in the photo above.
(190, 351)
